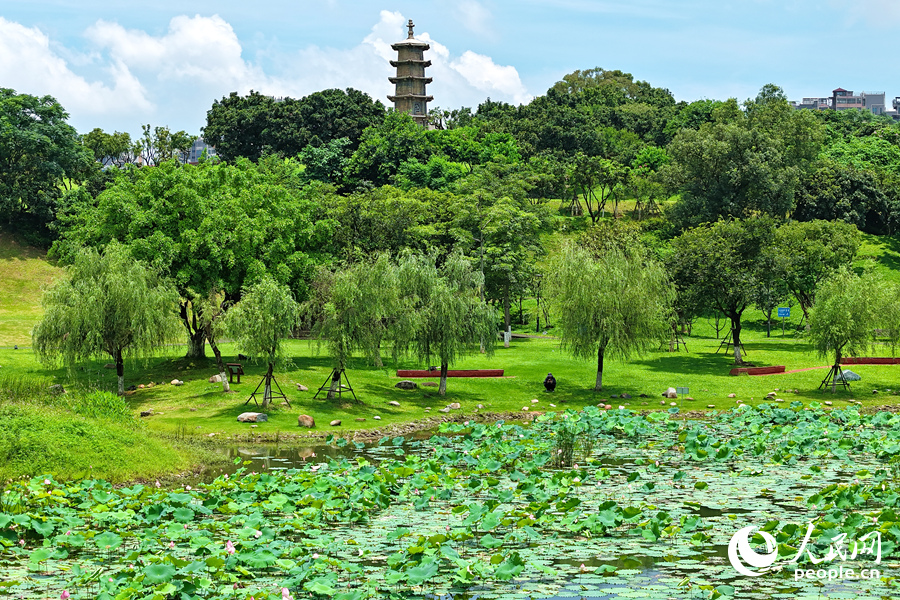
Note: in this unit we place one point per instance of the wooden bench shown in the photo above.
(458, 373)
(234, 370)
(870, 361)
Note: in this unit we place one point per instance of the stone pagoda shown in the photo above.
(409, 95)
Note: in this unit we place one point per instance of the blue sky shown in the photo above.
(116, 65)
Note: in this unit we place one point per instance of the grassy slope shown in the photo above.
(199, 408)
(24, 271)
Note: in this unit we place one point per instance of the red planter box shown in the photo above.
(757, 370)
(466, 373)
(870, 361)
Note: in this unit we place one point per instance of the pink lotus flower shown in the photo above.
(64, 595)
(157, 483)
(46, 482)
(257, 533)
(171, 545)
(229, 547)
(285, 594)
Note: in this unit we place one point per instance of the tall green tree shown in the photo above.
(847, 310)
(39, 153)
(716, 267)
(452, 319)
(608, 305)
(266, 314)
(806, 253)
(109, 304)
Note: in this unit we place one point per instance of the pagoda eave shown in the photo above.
(410, 44)
(424, 63)
(411, 96)
(396, 80)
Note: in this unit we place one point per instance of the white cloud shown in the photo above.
(474, 16)
(878, 13)
(482, 73)
(29, 65)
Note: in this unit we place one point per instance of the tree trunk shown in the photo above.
(599, 385)
(507, 316)
(335, 386)
(120, 372)
(442, 388)
(769, 323)
(736, 339)
(837, 367)
(196, 334)
(267, 388)
(220, 364)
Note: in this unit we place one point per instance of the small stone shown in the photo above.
(553, 405)
(177, 382)
(360, 419)
(141, 386)
(394, 403)
(193, 410)
(306, 421)
(688, 398)
(673, 404)
(302, 388)
(662, 402)
(335, 423)
(215, 379)
(146, 413)
(732, 395)
(626, 396)
(671, 393)
(480, 406)
(444, 410)
(534, 401)
(377, 418)
(608, 406)
(454, 406)
(406, 384)
(254, 426)
(874, 391)
(710, 406)
(828, 403)
(524, 408)
(151, 384)
(779, 400)
(614, 396)
(252, 417)
(430, 384)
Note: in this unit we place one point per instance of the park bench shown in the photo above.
(234, 370)
(757, 370)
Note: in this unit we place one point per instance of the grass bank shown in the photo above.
(82, 434)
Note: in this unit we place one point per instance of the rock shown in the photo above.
(252, 417)
(673, 404)
(524, 408)
(151, 384)
(608, 406)
(732, 395)
(444, 410)
(430, 384)
(177, 382)
(215, 379)
(479, 406)
(335, 423)
(394, 403)
(56, 389)
(360, 419)
(626, 396)
(109, 366)
(534, 401)
(643, 396)
(779, 400)
(146, 413)
(850, 375)
(828, 403)
(671, 393)
(141, 386)
(454, 406)
(377, 418)
(688, 398)
(662, 402)
(710, 406)
(874, 391)
(302, 388)
(306, 421)
(193, 410)
(614, 396)
(406, 384)
(254, 426)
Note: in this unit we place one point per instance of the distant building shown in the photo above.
(409, 84)
(196, 151)
(841, 99)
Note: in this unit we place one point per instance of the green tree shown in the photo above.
(114, 149)
(382, 149)
(847, 309)
(597, 180)
(109, 304)
(609, 305)
(806, 253)
(840, 191)
(39, 153)
(717, 267)
(452, 319)
(266, 314)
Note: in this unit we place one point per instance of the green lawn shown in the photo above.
(24, 272)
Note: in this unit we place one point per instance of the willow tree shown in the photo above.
(609, 305)
(266, 314)
(359, 309)
(847, 310)
(108, 304)
(451, 319)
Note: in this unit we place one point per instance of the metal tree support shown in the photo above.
(727, 341)
(336, 376)
(268, 379)
(677, 340)
(835, 378)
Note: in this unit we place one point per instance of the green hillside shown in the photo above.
(24, 272)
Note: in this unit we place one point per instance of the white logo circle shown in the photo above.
(740, 553)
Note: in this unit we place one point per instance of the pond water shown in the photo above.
(499, 520)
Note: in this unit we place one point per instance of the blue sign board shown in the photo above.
(784, 313)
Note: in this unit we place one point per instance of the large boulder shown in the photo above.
(215, 379)
(671, 393)
(406, 384)
(850, 375)
(252, 417)
(306, 421)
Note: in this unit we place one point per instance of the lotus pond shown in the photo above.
(594, 504)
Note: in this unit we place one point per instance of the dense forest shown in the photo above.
(717, 191)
